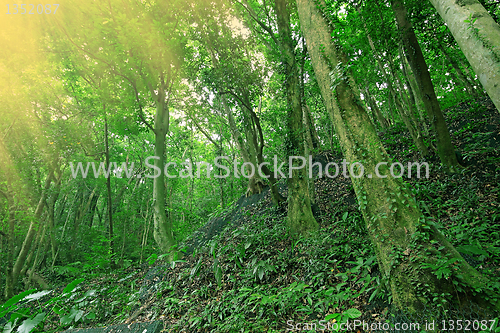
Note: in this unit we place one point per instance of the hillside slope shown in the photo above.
(243, 273)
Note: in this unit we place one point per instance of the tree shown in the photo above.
(413, 52)
(237, 80)
(401, 240)
(300, 216)
(151, 68)
(478, 36)
(282, 47)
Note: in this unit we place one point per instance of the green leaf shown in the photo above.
(218, 274)
(72, 285)
(4, 309)
(152, 258)
(65, 320)
(74, 314)
(332, 316)
(79, 315)
(9, 327)
(373, 295)
(38, 295)
(344, 217)
(29, 324)
(90, 315)
(261, 272)
(353, 313)
(471, 249)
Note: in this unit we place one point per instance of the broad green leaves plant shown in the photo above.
(30, 319)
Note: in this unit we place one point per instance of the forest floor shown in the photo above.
(242, 273)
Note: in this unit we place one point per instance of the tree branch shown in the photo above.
(237, 97)
(203, 131)
(8, 130)
(253, 15)
(141, 112)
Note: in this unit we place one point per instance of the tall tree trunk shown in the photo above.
(387, 204)
(478, 36)
(419, 67)
(222, 181)
(162, 226)
(309, 145)
(275, 195)
(405, 112)
(56, 248)
(240, 143)
(300, 217)
(376, 110)
(308, 151)
(9, 276)
(51, 216)
(40, 251)
(312, 128)
(35, 245)
(21, 258)
(470, 89)
(108, 187)
(417, 95)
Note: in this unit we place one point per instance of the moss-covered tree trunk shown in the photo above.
(388, 206)
(407, 113)
(478, 36)
(413, 52)
(300, 217)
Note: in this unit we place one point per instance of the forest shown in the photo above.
(250, 166)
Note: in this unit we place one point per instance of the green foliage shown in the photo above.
(251, 265)
(111, 62)
(32, 317)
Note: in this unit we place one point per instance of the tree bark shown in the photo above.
(478, 36)
(417, 95)
(240, 143)
(312, 128)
